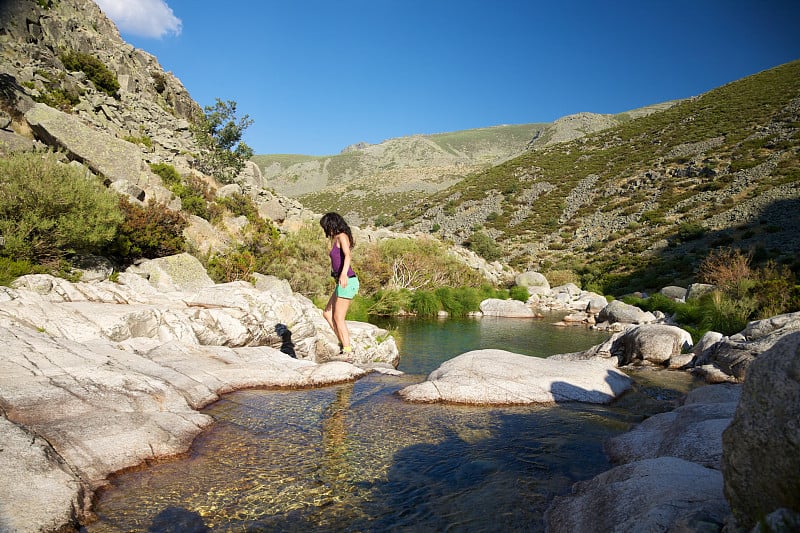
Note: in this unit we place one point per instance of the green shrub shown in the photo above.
(450, 302)
(690, 231)
(470, 299)
(95, 70)
(11, 269)
(556, 278)
(144, 140)
(390, 302)
(359, 309)
(237, 265)
(518, 292)
(149, 231)
(169, 176)
(301, 258)
(425, 304)
(49, 210)
(725, 314)
(483, 245)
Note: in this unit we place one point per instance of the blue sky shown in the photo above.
(316, 76)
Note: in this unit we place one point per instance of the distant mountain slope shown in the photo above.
(655, 192)
(372, 181)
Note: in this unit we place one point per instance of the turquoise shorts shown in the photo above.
(348, 292)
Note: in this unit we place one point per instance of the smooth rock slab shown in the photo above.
(498, 377)
(38, 492)
(692, 432)
(506, 308)
(663, 494)
(100, 406)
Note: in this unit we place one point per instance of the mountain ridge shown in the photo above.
(402, 169)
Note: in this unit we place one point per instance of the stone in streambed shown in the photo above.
(498, 377)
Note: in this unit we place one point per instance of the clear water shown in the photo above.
(355, 457)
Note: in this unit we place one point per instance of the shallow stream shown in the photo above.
(355, 457)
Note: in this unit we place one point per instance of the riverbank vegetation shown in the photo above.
(741, 293)
(51, 212)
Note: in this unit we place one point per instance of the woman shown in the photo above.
(342, 242)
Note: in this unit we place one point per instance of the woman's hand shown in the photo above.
(343, 280)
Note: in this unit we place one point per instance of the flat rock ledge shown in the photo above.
(498, 377)
(75, 412)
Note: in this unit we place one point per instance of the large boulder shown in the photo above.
(619, 311)
(506, 308)
(654, 343)
(535, 282)
(761, 448)
(698, 290)
(182, 272)
(674, 292)
(498, 377)
(661, 494)
(734, 355)
(104, 154)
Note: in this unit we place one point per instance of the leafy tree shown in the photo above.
(49, 210)
(219, 133)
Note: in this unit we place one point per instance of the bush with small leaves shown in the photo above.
(148, 231)
(95, 70)
(49, 210)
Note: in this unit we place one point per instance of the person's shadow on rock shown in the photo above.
(287, 346)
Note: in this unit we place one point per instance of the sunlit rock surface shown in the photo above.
(497, 377)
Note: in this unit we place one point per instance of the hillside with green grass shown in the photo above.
(369, 182)
(638, 205)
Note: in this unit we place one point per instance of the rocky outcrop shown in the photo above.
(761, 448)
(98, 406)
(661, 494)
(692, 432)
(172, 299)
(98, 377)
(733, 355)
(498, 377)
(736, 440)
(39, 491)
(669, 479)
(150, 102)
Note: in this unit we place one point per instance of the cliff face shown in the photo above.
(150, 103)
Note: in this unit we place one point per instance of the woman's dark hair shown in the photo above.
(333, 224)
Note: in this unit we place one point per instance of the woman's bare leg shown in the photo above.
(340, 307)
(327, 313)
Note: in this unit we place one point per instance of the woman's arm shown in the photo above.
(344, 244)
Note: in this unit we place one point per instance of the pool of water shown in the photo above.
(355, 457)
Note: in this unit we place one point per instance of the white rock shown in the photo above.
(495, 377)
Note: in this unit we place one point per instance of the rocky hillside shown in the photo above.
(69, 82)
(151, 105)
(368, 182)
(639, 204)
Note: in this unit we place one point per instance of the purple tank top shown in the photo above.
(337, 259)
